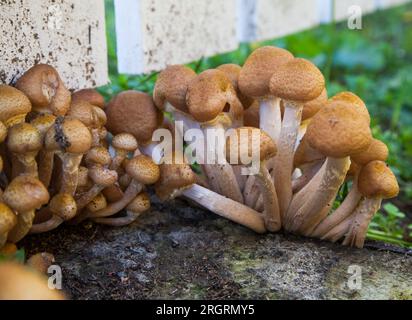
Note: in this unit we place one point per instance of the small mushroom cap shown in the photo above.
(113, 193)
(258, 69)
(125, 141)
(256, 138)
(353, 99)
(143, 169)
(376, 180)
(98, 203)
(45, 89)
(297, 80)
(171, 86)
(140, 203)
(25, 193)
(3, 132)
(14, 105)
(64, 206)
(21, 283)
(103, 176)
(232, 71)
(310, 108)
(41, 261)
(100, 115)
(23, 138)
(89, 95)
(7, 219)
(306, 154)
(174, 178)
(210, 94)
(338, 131)
(69, 135)
(251, 116)
(43, 123)
(376, 151)
(133, 112)
(85, 112)
(98, 156)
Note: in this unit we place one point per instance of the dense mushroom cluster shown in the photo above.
(71, 157)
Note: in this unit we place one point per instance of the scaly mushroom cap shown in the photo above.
(376, 151)
(124, 141)
(103, 176)
(232, 71)
(171, 86)
(89, 95)
(98, 156)
(376, 180)
(256, 138)
(258, 69)
(306, 154)
(85, 112)
(7, 219)
(210, 94)
(25, 193)
(21, 283)
(133, 112)
(143, 169)
(64, 206)
(14, 105)
(251, 116)
(68, 135)
(45, 89)
(297, 80)
(174, 178)
(338, 130)
(98, 203)
(43, 123)
(140, 203)
(310, 108)
(23, 138)
(353, 99)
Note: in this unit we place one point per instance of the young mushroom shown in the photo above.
(8, 221)
(14, 106)
(123, 144)
(296, 82)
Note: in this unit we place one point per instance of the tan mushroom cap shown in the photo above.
(376, 180)
(85, 112)
(3, 132)
(175, 177)
(124, 141)
(25, 193)
(98, 203)
(258, 69)
(64, 206)
(232, 71)
(143, 169)
(89, 95)
(306, 154)
(256, 138)
(140, 203)
(171, 86)
(353, 169)
(353, 99)
(133, 112)
(338, 131)
(41, 261)
(103, 176)
(21, 283)
(310, 108)
(69, 135)
(376, 151)
(98, 156)
(23, 138)
(297, 80)
(210, 94)
(7, 219)
(43, 122)
(14, 105)
(251, 116)
(45, 89)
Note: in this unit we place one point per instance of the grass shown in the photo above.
(374, 62)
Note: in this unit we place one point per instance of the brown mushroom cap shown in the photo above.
(210, 94)
(338, 131)
(89, 95)
(306, 154)
(376, 180)
(171, 86)
(25, 193)
(21, 283)
(140, 203)
(98, 156)
(143, 169)
(353, 99)
(23, 138)
(85, 112)
(103, 176)
(258, 69)
(297, 80)
(45, 89)
(133, 112)
(14, 105)
(124, 141)
(98, 203)
(7, 219)
(64, 206)
(376, 151)
(43, 122)
(3, 132)
(69, 135)
(41, 261)
(251, 116)
(310, 108)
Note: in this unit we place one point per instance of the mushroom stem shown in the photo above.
(71, 163)
(308, 173)
(301, 132)
(121, 221)
(251, 191)
(24, 223)
(271, 117)
(318, 195)
(284, 159)
(46, 226)
(45, 166)
(226, 207)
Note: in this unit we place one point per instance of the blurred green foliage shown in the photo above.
(375, 63)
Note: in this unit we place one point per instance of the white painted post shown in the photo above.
(69, 35)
